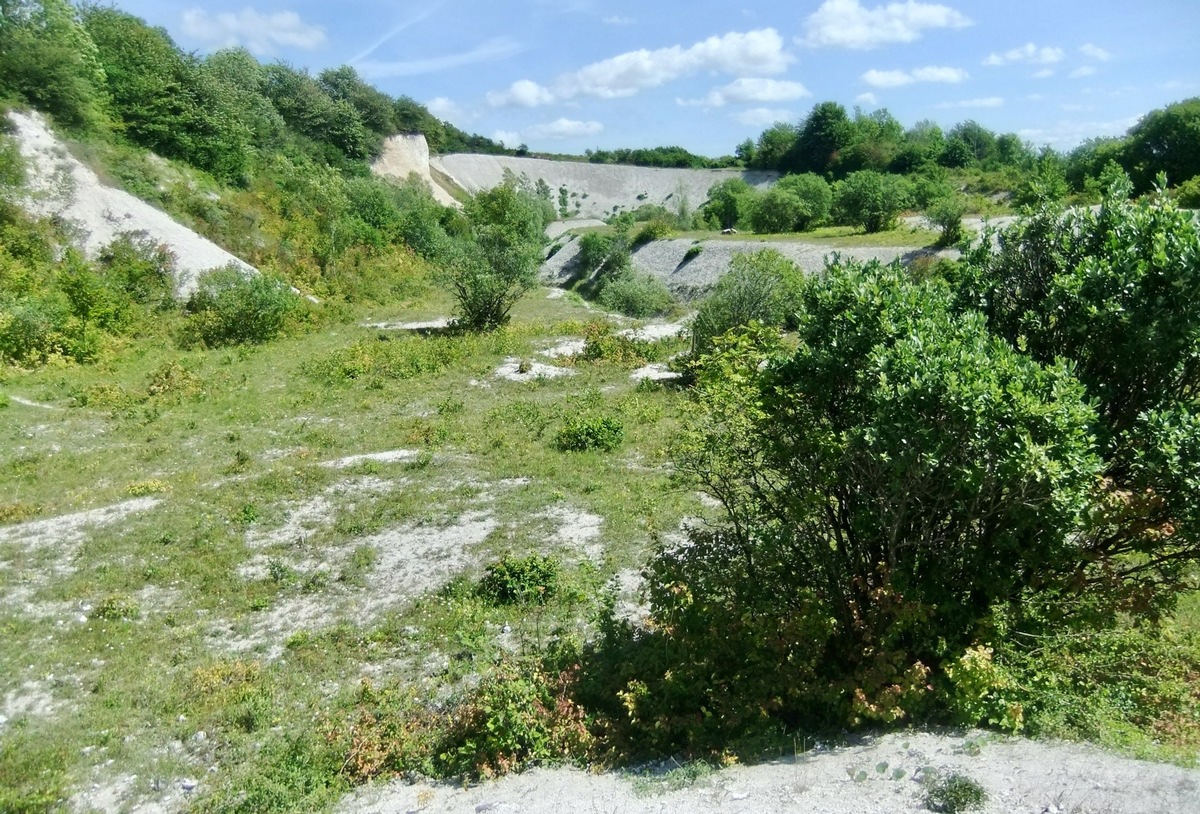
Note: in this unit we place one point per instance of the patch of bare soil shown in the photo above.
(877, 775)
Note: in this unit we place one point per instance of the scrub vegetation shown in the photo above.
(277, 531)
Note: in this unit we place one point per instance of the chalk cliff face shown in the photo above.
(406, 154)
(61, 187)
(594, 190)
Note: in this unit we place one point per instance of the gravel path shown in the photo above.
(881, 775)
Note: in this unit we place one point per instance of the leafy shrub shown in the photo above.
(520, 715)
(636, 294)
(653, 230)
(759, 287)
(531, 580)
(889, 395)
(233, 307)
(694, 251)
(946, 213)
(793, 204)
(871, 199)
(141, 269)
(602, 345)
(489, 273)
(32, 329)
(583, 433)
(955, 793)
(1188, 193)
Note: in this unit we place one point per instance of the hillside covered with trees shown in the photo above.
(372, 513)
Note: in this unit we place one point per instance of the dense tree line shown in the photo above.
(834, 144)
(669, 157)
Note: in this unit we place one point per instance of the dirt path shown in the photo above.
(878, 776)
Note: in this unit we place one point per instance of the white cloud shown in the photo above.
(1095, 52)
(1081, 72)
(1029, 53)
(848, 24)
(509, 138)
(557, 129)
(752, 89)
(867, 99)
(617, 19)
(896, 79)
(1044, 73)
(522, 93)
(259, 33)
(1071, 132)
(447, 110)
(563, 128)
(989, 101)
(754, 53)
(763, 116)
(497, 48)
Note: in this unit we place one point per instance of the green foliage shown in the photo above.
(794, 204)
(653, 230)
(730, 202)
(32, 775)
(583, 433)
(760, 287)
(1187, 194)
(885, 485)
(530, 580)
(495, 269)
(49, 60)
(945, 213)
(871, 200)
(233, 307)
(636, 294)
(823, 133)
(520, 715)
(1165, 141)
(1044, 185)
(166, 101)
(955, 793)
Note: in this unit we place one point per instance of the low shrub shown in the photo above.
(945, 213)
(531, 580)
(694, 251)
(602, 345)
(636, 294)
(583, 433)
(232, 307)
(653, 230)
(955, 793)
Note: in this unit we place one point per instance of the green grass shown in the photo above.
(845, 237)
(148, 605)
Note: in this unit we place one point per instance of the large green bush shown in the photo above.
(760, 287)
(636, 294)
(871, 199)
(495, 268)
(795, 203)
(234, 307)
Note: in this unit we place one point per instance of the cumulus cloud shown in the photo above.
(448, 110)
(522, 93)
(896, 79)
(497, 48)
(867, 99)
(751, 89)
(849, 24)
(763, 116)
(259, 33)
(1081, 72)
(988, 101)
(1028, 53)
(753, 53)
(617, 19)
(1095, 52)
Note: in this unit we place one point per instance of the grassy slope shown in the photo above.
(160, 593)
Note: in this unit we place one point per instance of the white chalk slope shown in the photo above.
(61, 187)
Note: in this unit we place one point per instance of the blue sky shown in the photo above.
(565, 75)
